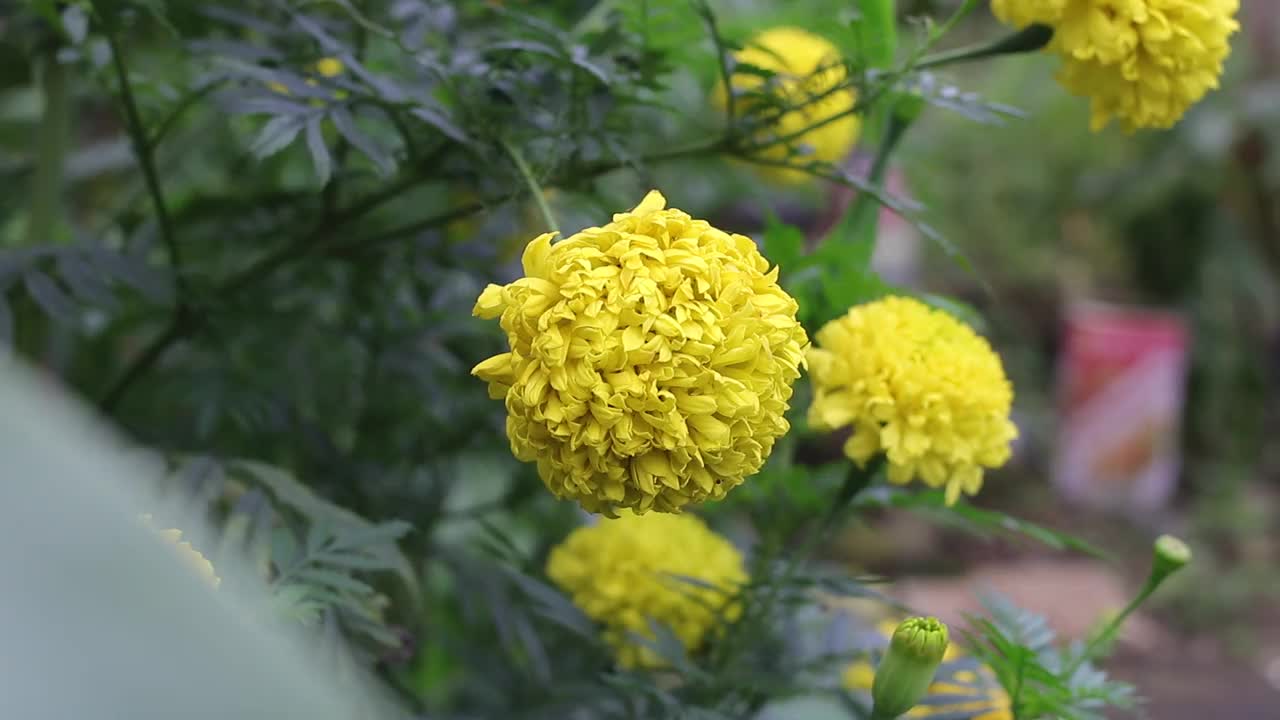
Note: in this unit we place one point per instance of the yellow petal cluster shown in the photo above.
(651, 360)
(919, 386)
(807, 69)
(189, 554)
(1143, 62)
(962, 688)
(622, 572)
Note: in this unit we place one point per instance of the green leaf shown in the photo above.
(51, 298)
(877, 32)
(346, 125)
(75, 21)
(933, 504)
(319, 151)
(783, 244)
(276, 135)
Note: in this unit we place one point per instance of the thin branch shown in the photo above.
(723, 61)
(143, 151)
(526, 173)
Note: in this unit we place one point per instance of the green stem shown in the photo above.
(142, 149)
(1029, 39)
(1110, 630)
(722, 61)
(534, 188)
(865, 204)
(51, 151)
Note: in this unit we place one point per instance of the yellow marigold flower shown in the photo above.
(651, 360)
(917, 385)
(189, 554)
(1144, 62)
(624, 571)
(807, 68)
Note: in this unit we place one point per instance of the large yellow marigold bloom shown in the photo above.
(651, 360)
(807, 68)
(1144, 62)
(917, 385)
(624, 571)
(192, 557)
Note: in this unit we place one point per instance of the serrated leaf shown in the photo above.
(320, 158)
(49, 296)
(276, 135)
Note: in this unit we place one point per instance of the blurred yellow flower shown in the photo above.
(189, 555)
(651, 360)
(1143, 62)
(328, 67)
(807, 69)
(624, 571)
(917, 385)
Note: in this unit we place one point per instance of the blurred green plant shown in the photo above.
(253, 231)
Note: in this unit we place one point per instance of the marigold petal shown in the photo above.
(491, 303)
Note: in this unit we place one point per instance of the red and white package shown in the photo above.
(1120, 402)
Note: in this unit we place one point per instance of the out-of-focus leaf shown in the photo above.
(783, 244)
(320, 159)
(876, 29)
(132, 270)
(436, 119)
(6, 325)
(86, 284)
(933, 504)
(346, 125)
(49, 296)
(75, 21)
(276, 135)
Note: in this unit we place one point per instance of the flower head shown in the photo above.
(189, 554)
(807, 69)
(1144, 62)
(917, 385)
(624, 571)
(651, 360)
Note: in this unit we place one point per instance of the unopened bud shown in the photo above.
(1171, 554)
(908, 667)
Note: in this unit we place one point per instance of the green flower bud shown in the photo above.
(1171, 554)
(907, 670)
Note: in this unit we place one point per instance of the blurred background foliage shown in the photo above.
(276, 291)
